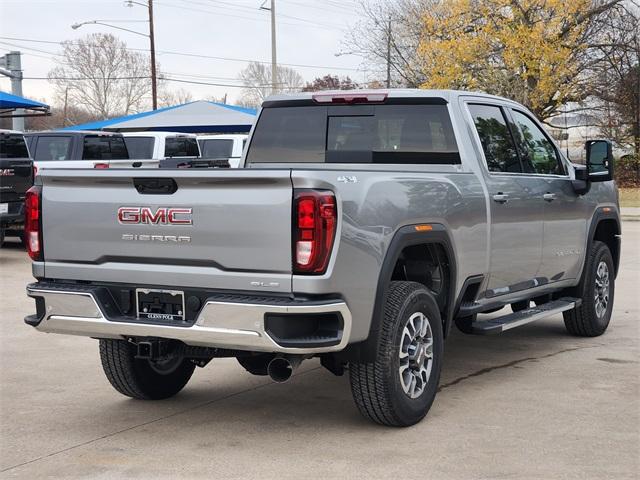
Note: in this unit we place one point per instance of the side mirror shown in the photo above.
(599, 160)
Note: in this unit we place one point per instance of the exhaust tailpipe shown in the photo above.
(280, 369)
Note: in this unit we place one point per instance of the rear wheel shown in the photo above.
(596, 290)
(141, 378)
(399, 387)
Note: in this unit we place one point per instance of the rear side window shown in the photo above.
(181, 147)
(53, 148)
(139, 147)
(538, 153)
(495, 136)
(216, 148)
(104, 148)
(13, 146)
(384, 134)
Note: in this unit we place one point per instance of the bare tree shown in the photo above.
(256, 78)
(616, 84)
(98, 73)
(388, 36)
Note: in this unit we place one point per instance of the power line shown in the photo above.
(166, 79)
(194, 55)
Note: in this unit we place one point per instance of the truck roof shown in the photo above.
(155, 134)
(447, 95)
(75, 133)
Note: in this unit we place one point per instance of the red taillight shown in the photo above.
(32, 231)
(101, 165)
(351, 97)
(313, 230)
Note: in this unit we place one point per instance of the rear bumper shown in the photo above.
(232, 323)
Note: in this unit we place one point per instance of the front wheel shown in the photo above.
(596, 290)
(141, 378)
(398, 388)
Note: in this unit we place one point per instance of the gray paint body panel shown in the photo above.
(242, 224)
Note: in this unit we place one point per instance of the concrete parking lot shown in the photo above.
(531, 403)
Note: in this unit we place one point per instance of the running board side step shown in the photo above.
(513, 320)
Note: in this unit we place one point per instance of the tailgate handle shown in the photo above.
(155, 186)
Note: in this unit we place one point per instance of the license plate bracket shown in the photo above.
(160, 305)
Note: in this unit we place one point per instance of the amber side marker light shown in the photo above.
(423, 228)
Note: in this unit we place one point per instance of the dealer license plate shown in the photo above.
(161, 305)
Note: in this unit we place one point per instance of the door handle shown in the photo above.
(501, 197)
(549, 197)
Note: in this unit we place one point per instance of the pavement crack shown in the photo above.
(143, 424)
(513, 363)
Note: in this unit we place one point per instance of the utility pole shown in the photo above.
(11, 66)
(152, 41)
(389, 53)
(64, 111)
(274, 63)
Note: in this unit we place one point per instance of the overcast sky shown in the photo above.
(234, 29)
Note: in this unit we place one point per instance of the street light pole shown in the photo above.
(152, 41)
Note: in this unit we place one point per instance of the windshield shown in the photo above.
(216, 148)
(139, 147)
(13, 146)
(389, 134)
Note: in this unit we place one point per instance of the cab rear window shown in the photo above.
(385, 134)
(13, 146)
(181, 147)
(104, 148)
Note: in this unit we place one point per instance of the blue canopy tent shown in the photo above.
(10, 103)
(193, 117)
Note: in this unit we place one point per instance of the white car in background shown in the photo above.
(80, 149)
(161, 145)
(228, 147)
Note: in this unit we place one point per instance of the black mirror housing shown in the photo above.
(599, 160)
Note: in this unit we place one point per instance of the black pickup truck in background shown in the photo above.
(16, 177)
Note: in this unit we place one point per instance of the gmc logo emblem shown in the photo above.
(161, 216)
(7, 172)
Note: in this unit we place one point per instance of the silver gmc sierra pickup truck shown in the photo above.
(363, 225)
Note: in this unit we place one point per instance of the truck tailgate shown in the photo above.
(16, 177)
(221, 229)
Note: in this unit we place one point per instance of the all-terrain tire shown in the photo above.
(584, 321)
(377, 387)
(136, 378)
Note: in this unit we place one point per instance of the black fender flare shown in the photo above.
(601, 214)
(406, 236)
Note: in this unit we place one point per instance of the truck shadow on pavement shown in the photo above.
(315, 396)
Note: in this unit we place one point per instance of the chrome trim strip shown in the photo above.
(238, 326)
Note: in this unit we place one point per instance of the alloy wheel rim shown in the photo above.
(601, 295)
(416, 355)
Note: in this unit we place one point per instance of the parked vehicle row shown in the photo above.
(16, 177)
(22, 156)
(362, 227)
